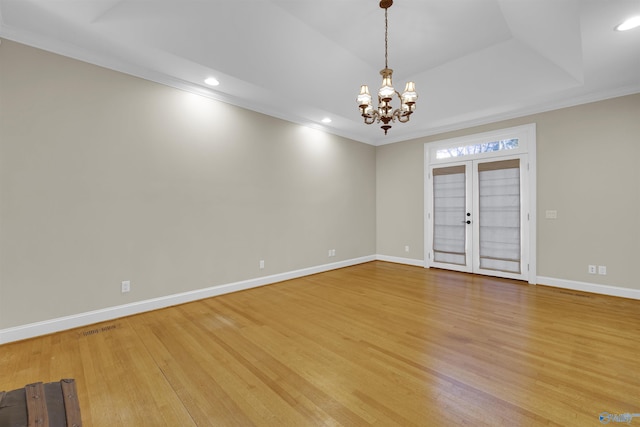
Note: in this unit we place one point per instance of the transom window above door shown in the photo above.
(503, 142)
(479, 148)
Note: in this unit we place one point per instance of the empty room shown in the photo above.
(319, 213)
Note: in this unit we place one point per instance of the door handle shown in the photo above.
(467, 222)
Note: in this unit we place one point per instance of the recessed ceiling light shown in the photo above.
(629, 24)
(326, 120)
(212, 82)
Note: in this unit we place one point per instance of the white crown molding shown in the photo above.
(88, 318)
(105, 61)
(80, 54)
(538, 109)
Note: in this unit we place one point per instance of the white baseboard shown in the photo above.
(399, 260)
(83, 319)
(614, 291)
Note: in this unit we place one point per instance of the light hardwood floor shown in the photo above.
(375, 344)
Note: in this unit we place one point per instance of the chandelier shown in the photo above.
(385, 112)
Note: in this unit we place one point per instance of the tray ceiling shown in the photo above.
(473, 61)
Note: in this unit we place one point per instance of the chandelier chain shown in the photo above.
(386, 39)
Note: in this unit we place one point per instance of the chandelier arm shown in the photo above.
(370, 119)
(403, 117)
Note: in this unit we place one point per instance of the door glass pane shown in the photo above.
(499, 203)
(449, 212)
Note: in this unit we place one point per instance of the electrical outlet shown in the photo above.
(602, 270)
(126, 286)
(592, 269)
(261, 264)
(406, 248)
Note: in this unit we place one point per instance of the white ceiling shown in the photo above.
(473, 61)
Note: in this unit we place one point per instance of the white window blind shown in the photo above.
(499, 199)
(449, 215)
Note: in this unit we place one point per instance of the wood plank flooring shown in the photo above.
(375, 344)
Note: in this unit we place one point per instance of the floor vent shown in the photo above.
(576, 294)
(99, 330)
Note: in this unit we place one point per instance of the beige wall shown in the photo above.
(105, 177)
(587, 170)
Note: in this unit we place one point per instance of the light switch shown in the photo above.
(551, 214)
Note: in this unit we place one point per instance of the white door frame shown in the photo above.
(526, 136)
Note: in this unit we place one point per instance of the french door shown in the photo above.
(478, 213)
